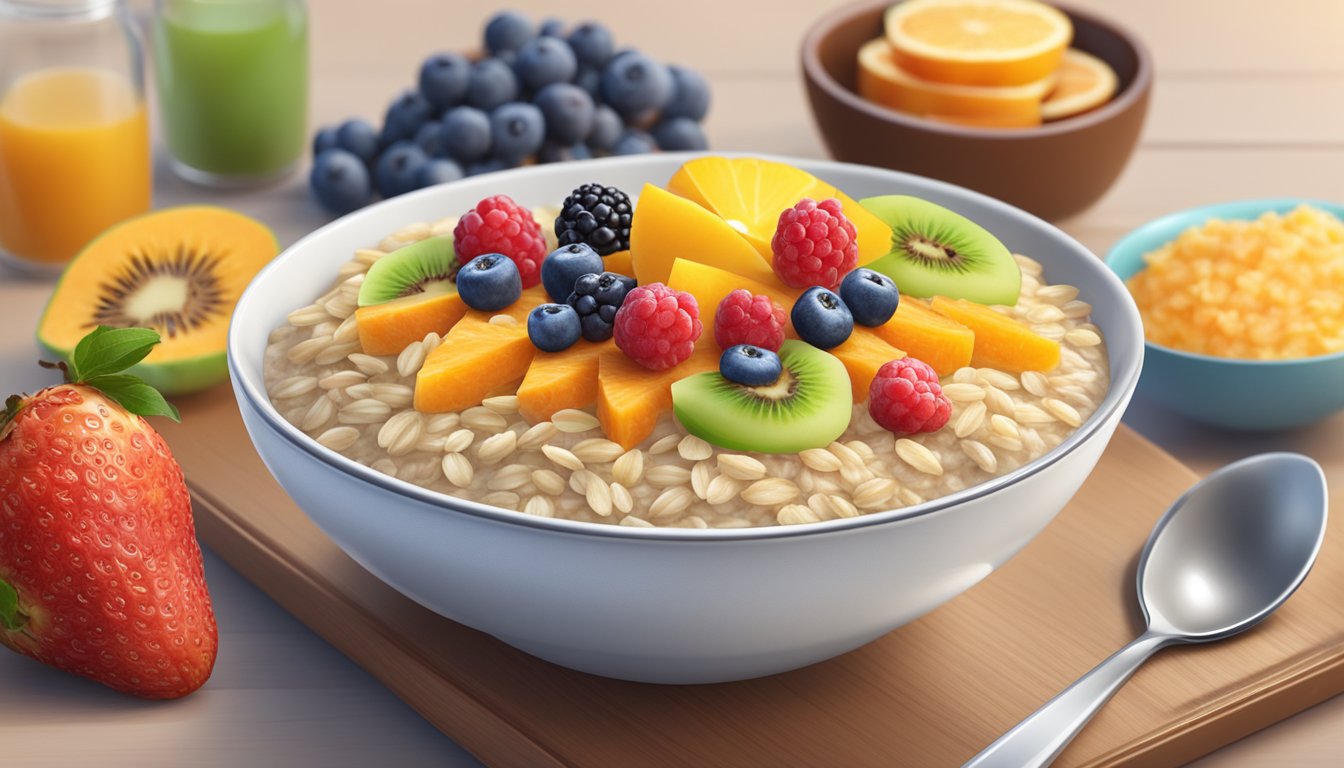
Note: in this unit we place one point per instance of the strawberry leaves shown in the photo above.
(100, 358)
(11, 617)
(110, 350)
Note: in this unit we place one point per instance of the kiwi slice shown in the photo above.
(936, 252)
(808, 407)
(428, 266)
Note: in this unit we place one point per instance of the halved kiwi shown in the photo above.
(428, 266)
(808, 407)
(179, 271)
(937, 252)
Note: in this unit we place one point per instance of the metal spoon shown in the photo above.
(1227, 553)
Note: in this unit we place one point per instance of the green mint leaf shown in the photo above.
(134, 395)
(110, 350)
(11, 617)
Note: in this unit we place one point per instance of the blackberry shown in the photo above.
(596, 215)
(596, 299)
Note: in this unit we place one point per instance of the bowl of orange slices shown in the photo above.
(1036, 104)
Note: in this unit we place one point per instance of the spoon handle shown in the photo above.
(1037, 740)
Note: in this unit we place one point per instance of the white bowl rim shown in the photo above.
(1116, 396)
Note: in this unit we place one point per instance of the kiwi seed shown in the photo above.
(939, 252)
(171, 293)
(934, 249)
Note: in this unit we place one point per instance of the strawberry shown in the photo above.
(100, 572)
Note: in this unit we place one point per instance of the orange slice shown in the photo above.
(1085, 82)
(978, 42)
(883, 81)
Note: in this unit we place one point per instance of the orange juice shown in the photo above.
(74, 159)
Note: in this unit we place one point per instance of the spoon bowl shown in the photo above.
(1226, 554)
(1233, 548)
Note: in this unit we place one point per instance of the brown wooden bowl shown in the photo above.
(1053, 171)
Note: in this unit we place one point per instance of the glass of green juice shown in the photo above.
(233, 87)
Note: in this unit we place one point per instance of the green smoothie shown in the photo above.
(233, 84)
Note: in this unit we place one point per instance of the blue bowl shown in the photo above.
(1224, 391)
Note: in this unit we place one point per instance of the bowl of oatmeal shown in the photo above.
(1243, 310)
(653, 554)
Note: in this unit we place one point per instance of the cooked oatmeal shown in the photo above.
(360, 406)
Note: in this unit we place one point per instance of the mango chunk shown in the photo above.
(940, 341)
(387, 328)
(669, 228)
(863, 353)
(1000, 341)
(477, 358)
(559, 380)
(631, 398)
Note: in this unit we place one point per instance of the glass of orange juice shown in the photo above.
(74, 133)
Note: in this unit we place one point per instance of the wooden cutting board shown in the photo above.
(932, 693)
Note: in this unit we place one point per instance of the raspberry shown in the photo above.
(747, 318)
(657, 326)
(814, 244)
(499, 225)
(905, 397)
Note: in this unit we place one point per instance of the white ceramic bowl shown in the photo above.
(670, 605)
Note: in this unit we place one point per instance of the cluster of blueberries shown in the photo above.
(542, 94)
(586, 297)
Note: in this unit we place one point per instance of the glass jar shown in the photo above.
(233, 87)
(74, 133)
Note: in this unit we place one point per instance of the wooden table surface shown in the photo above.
(1248, 102)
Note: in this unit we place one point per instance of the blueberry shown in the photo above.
(405, 115)
(586, 285)
(634, 142)
(607, 129)
(750, 366)
(871, 296)
(634, 84)
(492, 83)
(553, 327)
(430, 138)
(516, 131)
(690, 95)
(340, 181)
(555, 152)
(584, 304)
(437, 171)
(487, 165)
(565, 265)
(568, 110)
(595, 329)
(466, 134)
(551, 28)
(674, 134)
(507, 31)
(592, 44)
(397, 168)
(821, 318)
(489, 282)
(323, 140)
(545, 60)
(590, 80)
(611, 289)
(444, 78)
(358, 138)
